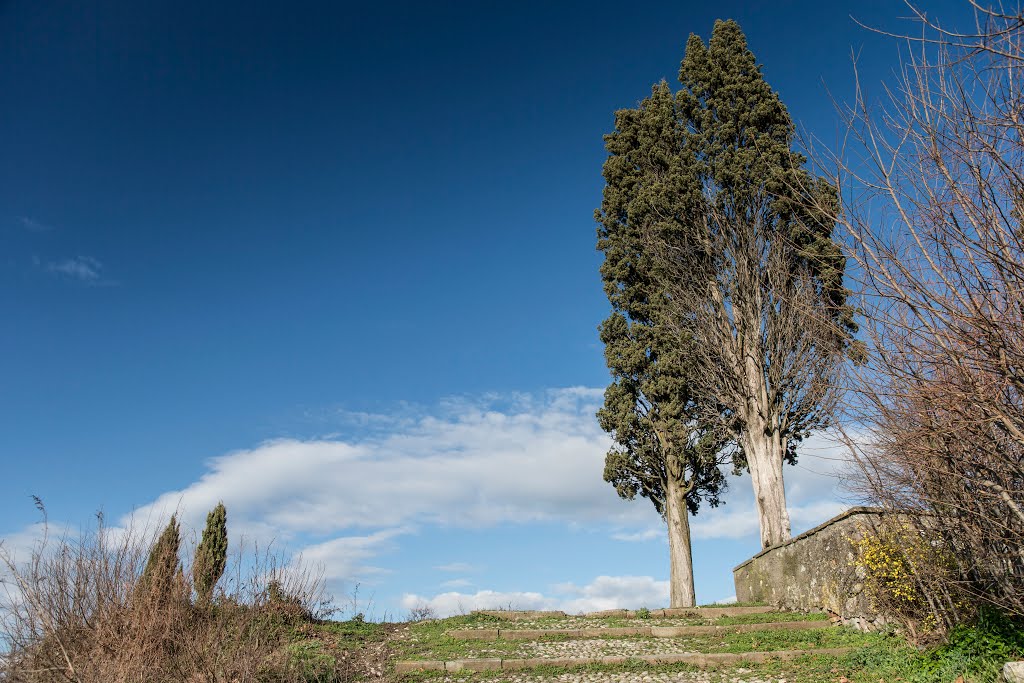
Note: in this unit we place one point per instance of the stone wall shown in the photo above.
(814, 571)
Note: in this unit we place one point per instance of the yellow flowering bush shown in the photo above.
(887, 565)
(895, 562)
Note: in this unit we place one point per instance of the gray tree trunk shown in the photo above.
(680, 555)
(764, 453)
(762, 442)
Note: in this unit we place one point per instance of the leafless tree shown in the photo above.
(765, 342)
(932, 179)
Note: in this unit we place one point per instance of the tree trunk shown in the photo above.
(680, 556)
(764, 453)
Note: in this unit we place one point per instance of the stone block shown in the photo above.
(474, 634)
(535, 662)
(679, 631)
(716, 659)
(487, 664)
(711, 612)
(1013, 672)
(694, 658)
(425, 665)
(515, 615)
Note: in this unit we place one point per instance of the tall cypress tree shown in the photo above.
(211, 553)
(729, 311)
(163, 564)
(760, 292)
(658, 452)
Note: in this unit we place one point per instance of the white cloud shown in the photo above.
(477, 463)
(35, 539)
(344, 558)
(456, 567)
(614, 592)
(604, 592)
(32, 225)
(639, 536)
(457, 583)
(447, 604)
(539, 459)
(83, 268)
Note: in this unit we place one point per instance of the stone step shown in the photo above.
(622, 632)
(699, 612)
(693, 659)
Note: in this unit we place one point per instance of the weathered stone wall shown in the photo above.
(814, 571)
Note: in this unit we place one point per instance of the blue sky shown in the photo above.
(334, 263)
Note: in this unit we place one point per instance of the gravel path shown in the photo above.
(739, 675)
(592, 647)
(597, 647)
(585, 622)
(596, 622)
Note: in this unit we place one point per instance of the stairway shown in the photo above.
(658, 640)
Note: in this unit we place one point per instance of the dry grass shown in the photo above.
(74, 610)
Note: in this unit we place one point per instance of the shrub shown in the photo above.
(211, 554)
(422, 612)
(931, 182)
(163, 565)
(978, 650)
(898, 563)
(88, 608)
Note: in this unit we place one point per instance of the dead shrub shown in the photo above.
(932, 181)
(76, 610)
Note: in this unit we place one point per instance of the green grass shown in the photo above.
(320, 651)
(736, 604)
(977, 653)
(770, 617)
(807, 669)
(759, 641)
(555, 622)
(430, 640)
(888, 659)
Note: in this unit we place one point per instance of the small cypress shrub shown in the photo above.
(162, 567)
(211, 554)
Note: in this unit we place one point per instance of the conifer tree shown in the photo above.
(730, 314)
(211, 553)
(658, 452)
(758, 293)
(163, 564)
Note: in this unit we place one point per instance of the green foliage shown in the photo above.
(643, 613)
(720, 146)
(431, 641)
(312, 662)
(211, 554)
(739, 145)
(897, 564)
(648, 406)
(977, 651)
(163, 565)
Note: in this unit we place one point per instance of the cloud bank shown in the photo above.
(82, 268)
(604, 592)
(342, 502)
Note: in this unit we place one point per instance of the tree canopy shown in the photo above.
(729, 310)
